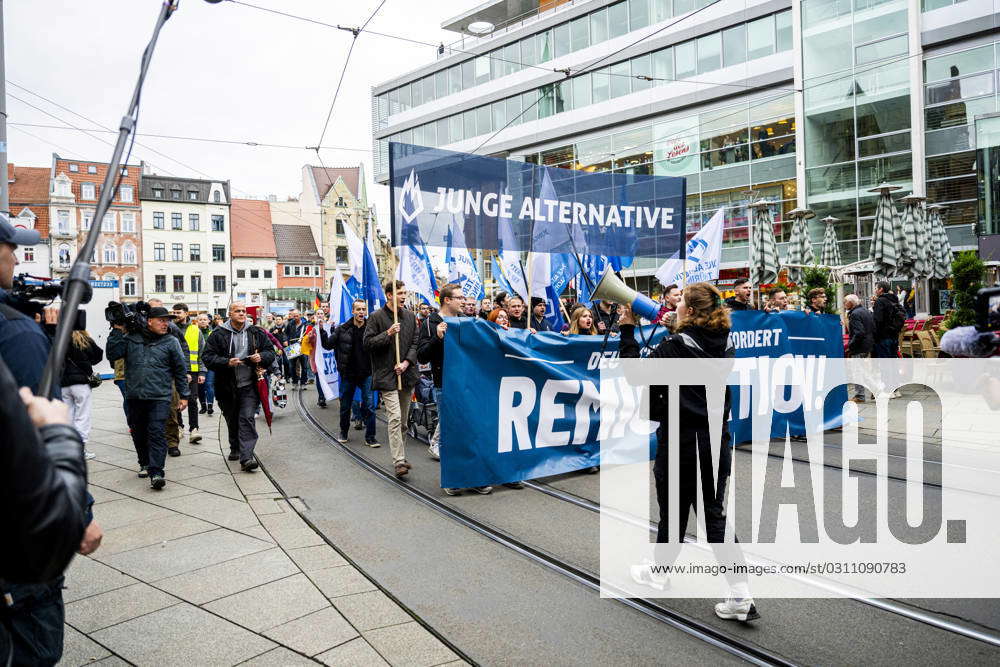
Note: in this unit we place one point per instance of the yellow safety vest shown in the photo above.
(193, 335)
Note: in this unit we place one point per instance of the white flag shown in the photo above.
(355, 252)
(704, 254)
(510, 261)
(414, 264)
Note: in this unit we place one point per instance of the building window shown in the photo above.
(267, 273)
(128, 254)
(88, 191)
(124, 171)
(157, 220)
(129, 286)
(193, 195)
(28, 254)
(340, 227)
(62, 222)
(74, 167)
(342, 257)
(195, 284)
(64, 256)
(195, 252)
(125, 193)
(177, 252)
(218, 253)
(288, 270)
(110, 254)
(217, 197)
(218, 283)
(175, 193)
(158, 193)
(86, 217)
(159, 252)
(91, 169)
(254, 273)
(241, 273)
(128, 222)
(108, 224)
(159, 283)
(242, 296)
(340, 201)
(178, 283)
(297, 270)
(218, 223)
(176, 221)
(194, 222)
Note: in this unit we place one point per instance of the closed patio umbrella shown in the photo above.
(800, 250)
(940, 247)
(915, 264)
(831, 249)
(886, 233)
(764, 261)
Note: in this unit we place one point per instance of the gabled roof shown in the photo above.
(325, 178)
(29, 185)
(295, 244)
(252, 235)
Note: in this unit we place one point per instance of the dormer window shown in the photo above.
(88, 191)
(63, 186)
(217, 197)
(158, 193)
(175, 193)
(340, 201)
(193, 195)
(91, 169)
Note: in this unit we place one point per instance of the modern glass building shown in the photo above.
(811, 103)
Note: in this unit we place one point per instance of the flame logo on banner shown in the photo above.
(411, 203)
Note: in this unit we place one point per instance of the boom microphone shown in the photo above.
(969, 342)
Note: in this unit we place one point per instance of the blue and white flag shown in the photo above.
(702, 259)
(461, 267)
(415, 266)
(371, 288)
(593, 268)
(355, 252)
(341, 300)
(510, 263)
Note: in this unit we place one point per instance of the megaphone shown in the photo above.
(612, 288)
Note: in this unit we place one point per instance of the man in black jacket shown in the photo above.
(294, 328)
(516, 313)
(740, 300)
(861, 331)
(538, 321)
(605, 316)
(175, 420)
(354, 367)
(889, 316)
(236, 351)
(380, 341)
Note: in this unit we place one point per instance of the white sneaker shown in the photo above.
(737, 609)
(434, 453)
(194, 437)
(644, 575)
(88, 455)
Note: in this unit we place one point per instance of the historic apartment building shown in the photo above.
(186, 241)
(29, 209)
(255, 263)
(74, 188)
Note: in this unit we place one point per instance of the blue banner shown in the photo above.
(549, 209)
(537, 396)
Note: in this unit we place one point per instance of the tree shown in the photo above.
(967, 272)
(814, 277)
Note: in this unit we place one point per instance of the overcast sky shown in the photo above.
(220, 71)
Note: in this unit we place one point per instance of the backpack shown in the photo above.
(897, 319)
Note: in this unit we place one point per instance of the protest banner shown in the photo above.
(536, 398)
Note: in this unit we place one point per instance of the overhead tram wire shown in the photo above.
(522, 65)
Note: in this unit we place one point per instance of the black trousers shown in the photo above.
(31, 625)
(239, 410)
(193, 402)
(149, 432)
(695, 448)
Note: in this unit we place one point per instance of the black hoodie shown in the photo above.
(691, 343)
(885, 306)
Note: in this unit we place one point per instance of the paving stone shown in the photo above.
(187, 472)
(112, 661)
(232, 576)
(270, 494)
(370, 610)
(254, 482)
(122, 604)
(93, 465)
(138, 535)
(128, 483)
(262, 506)
(118, 513)
(209, 460)
(343, 580)
(259, 533)
(355, 653)
(315, 633)
(215, 509)
(78, 649)
(271, 604)
(316, 558)
(219, 483)
(102, 495)
(279, 657)
(86, 577)
(182, 635)
(295, 538)
(409, 644)
(286, 520)
(159, 561)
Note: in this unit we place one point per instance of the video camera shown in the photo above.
(988, 309)
(31, 294)
(132, 316)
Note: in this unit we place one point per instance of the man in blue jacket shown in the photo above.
(154, 365)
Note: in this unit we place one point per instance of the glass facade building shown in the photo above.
(811, 104)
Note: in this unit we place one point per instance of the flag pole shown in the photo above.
(395, 317)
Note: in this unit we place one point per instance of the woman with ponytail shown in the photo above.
(701, 332)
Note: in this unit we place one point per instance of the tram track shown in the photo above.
(725, 641)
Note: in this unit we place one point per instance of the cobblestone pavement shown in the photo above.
(218, 568)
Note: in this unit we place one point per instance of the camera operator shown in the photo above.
(175, 420)
(154, 364)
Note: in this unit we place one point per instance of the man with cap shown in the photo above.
(154, 367)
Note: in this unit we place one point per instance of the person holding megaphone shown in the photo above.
(701, 332)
